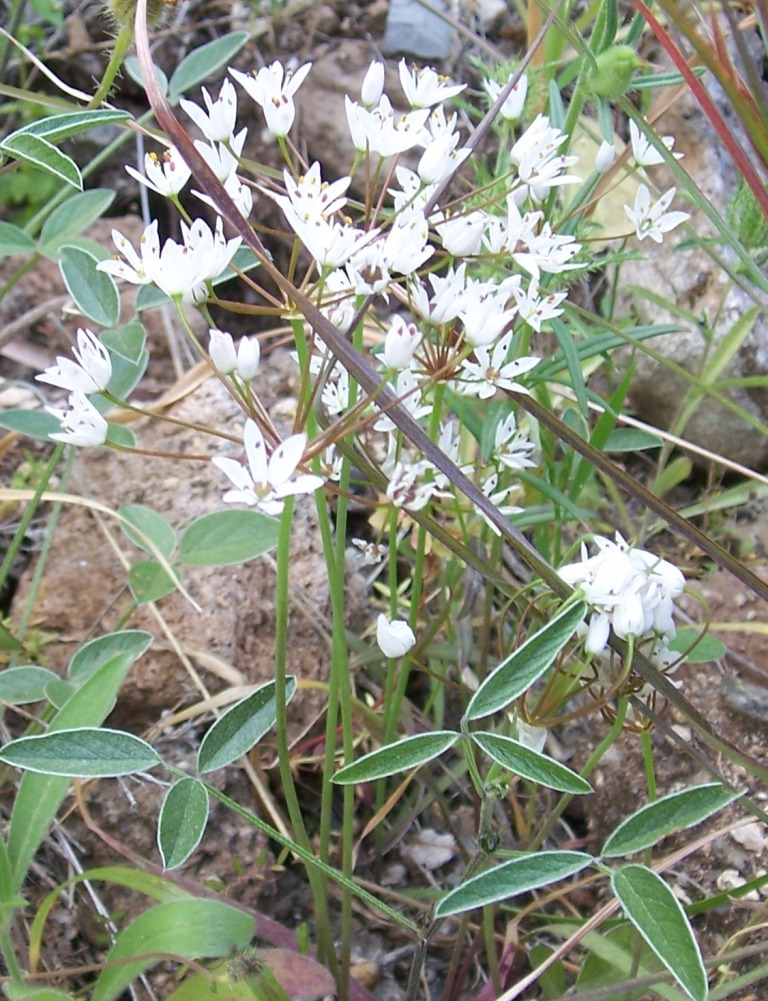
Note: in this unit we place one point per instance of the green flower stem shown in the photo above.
(282, 612)
(29, 513)
(41, 562)
(120, 51)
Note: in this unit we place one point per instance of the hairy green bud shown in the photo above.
(612, 75)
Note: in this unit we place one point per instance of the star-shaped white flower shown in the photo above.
(89, 374)
(272, 88)
(82, 424)
(218, 124)
(166, 174)
(653, 220)
(267, 480)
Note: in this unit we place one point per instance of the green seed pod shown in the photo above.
(611, 77)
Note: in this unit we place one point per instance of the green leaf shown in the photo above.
(94, 292)
(72, 217)
(675, 812)
(14, 240)
(227, 537)
(397, 758)
(149, 581)
(21, 685)
(657, 914)
(24, 992)
(631, 440)
(32, 423)
(241, 727)
(132, 68)
(87, 752)
(44, 155)
(525, 665)
(55, 128)
(511, 878)
(533, 765)
(94, 654)
(182, 821)
(203, 62)
(189, 929)
(707, 647)
(59, 692)
(151, 525)
(128, 341)
(8, 641)
(120, 435)
(38, 797)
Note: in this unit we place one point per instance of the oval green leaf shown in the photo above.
(511, 878)
(44, 155)
(21, 685)
(182, 821)
(522, 668)
(87, 752)
(657, 914)
(56, 128)
(395, 759)
(151, 525)
(149, 581)
(129, 643)
(32, 423)
(698, 648)
(631, 440)
(674, 812)
(128, 341)
(241, 727)
(533, 765)
(227, 537)
(189, 929)
(203, 62)
(14, 240)
(72, 217)
(94, 292)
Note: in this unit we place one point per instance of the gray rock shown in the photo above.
(414, 30)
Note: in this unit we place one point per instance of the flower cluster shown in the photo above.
(631, 592)
(82, 423)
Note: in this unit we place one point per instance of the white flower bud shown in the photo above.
(248, 355)
(373, 84)
(400, 342)
(605, 156)
(395, 639)
(222, 351)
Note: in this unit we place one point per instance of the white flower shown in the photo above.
(218, 124)
(513, 105)
(330, 243)
(373, 84)
(483, 310)
(461, 235)
(441, 158)
(447, 300)
(166, 175)
(383, 131)
(511, 447)
(272, 88)
(395, 638)
(82, 424)
(408, 488)
(496, 497)
(539, 167)
(630, 590)
(424, 87)
(644, 153)
(178, 269)
(535, 308)
(309, 197)
(491, 370)
(653, 220)
(400, 343)
(408, 391)
(266, 481)
(221, 158)
(605, 156)
(406, 245)
(89, 374)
